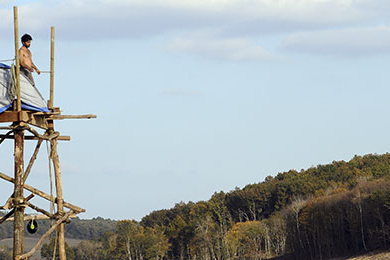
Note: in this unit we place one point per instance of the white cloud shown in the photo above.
(237, 23)
(7, 3)
(349, 41)
(6, 19)
(133, 18)
(211, 46)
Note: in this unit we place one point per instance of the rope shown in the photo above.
(55, 246)
(12, 89)
(7, 60)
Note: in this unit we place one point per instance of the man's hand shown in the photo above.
(38, 71)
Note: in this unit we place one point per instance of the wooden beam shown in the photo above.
(33, 119)
(29, 117)
(9, 116)
(38, 119)
(53, 111)
(32, 160)
(61, 117)
(32, 217)
(42, 194)
(40, 217)
(30, 137)
(48, 214)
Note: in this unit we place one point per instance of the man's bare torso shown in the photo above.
(26, 58)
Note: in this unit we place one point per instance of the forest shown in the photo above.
(333, 210)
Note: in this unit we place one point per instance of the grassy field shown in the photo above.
(31, 242)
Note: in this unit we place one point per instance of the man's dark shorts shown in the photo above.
(27, 73)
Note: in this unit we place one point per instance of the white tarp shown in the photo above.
(29, 94)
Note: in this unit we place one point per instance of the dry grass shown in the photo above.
(31, 242)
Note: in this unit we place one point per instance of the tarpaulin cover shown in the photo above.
(29, 94)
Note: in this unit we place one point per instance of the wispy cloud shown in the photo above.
(214, 47)
(344, 42)
(181, 92)
(134, 18)
(305, 24)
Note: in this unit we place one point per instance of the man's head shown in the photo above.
(26, 40)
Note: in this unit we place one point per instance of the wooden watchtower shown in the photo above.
(21, 122)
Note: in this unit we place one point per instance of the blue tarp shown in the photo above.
(30, 96)
(4, 66)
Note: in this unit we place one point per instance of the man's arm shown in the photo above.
(35, 67)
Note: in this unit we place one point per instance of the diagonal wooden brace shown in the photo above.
(42, 194)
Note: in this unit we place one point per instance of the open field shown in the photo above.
(31, 242)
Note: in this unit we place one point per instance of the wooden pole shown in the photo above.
(17, 57)
(18, 194)
(60, 200)
(51, 100)
(18, 153)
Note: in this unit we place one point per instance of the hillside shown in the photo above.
(300, 212)
(88, 229)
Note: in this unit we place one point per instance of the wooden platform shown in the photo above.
(38, 119)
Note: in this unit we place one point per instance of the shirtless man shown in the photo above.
(26, 64)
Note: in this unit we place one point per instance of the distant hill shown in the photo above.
(88, 229)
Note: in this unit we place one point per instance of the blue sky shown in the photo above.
(198, 96)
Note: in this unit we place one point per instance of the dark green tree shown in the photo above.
(47, 250)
